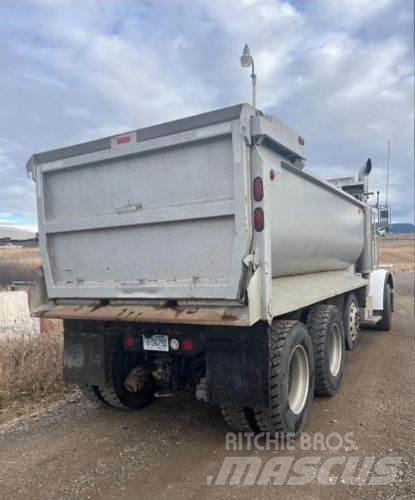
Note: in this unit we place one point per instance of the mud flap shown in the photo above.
(237, 366)
(84, 358)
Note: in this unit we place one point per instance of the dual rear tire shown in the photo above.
(303, 359)
(325, 325)
(291, 360)
(291, 385)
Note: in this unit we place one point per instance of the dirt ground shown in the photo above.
(176, 447)
(398, 249)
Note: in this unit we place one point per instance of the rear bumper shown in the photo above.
(200, 315)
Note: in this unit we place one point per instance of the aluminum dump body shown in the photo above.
(166, 212)
(313, 226)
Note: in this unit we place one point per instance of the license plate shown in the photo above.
(156, 343)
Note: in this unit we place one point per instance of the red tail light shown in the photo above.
(258, 189)
(129, 342)
(187, 345)
(259, 219)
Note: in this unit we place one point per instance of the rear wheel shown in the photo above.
(351, 321)
(92, 393)
(119, 364)
(325, 325)
(239, 419)
(291, 361)
(386, 321)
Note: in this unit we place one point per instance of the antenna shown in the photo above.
(378, 207)
(387, 171)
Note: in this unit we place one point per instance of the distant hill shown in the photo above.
(15, 233)
(403, 227)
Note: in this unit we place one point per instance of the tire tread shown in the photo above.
(236, 418)
(317, 323)
(273, 418)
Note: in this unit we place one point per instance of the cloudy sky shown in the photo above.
(339, 72)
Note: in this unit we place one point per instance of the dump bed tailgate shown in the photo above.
(164, 217)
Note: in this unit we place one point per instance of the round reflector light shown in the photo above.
(174, 344)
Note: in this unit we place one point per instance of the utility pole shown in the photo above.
(387, 172)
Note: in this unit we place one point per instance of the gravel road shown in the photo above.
(176, 447)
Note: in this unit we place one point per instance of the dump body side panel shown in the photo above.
(314, 227)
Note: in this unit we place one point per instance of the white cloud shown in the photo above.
(76, 111)
(339, 72)
(350, 14)
(180, 43)
(33, 228)
(33, 77)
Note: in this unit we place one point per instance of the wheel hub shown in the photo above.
(353, 321)
(136, 379)
(298, 379)
(335, 350)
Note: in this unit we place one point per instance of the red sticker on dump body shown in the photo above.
(123, 139)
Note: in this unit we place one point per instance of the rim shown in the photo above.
(298, 379)
(335, 350)
(353, 321)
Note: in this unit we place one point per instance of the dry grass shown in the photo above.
(16, 264)
(30, 372)
(397, 250)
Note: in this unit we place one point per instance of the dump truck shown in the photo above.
(200, 254)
